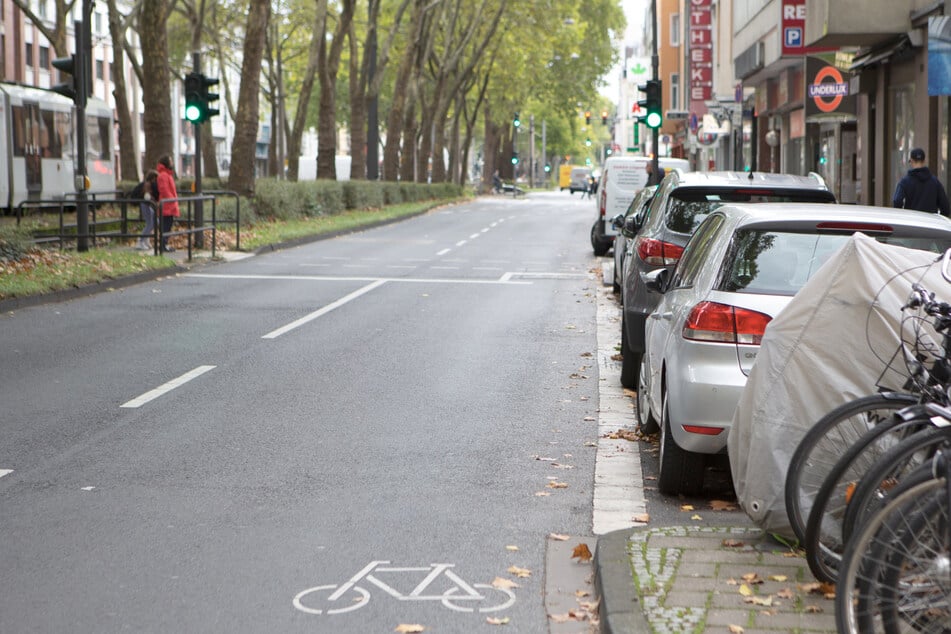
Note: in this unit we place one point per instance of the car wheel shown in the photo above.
(645, 419)
(630, 361)
(598, 243)
(680, 471)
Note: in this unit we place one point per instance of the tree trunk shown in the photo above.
(327, 68)
(358, 109)
(241, 177)
(128, 154)
(409, 156)
(396, 116)
(156, 90)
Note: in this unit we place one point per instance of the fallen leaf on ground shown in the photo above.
(752, 578)
(785, 593)
(494, 620)
(542, 494)
(722, 505)
(779, 578)
(732, 543)
(582, 593)
(409, 629)
(764, 601)
(696, 518)
(520, 572)
(511, 548)
(503, 583)
(557, 485)
(746, 591)
(686, 507)
(813, 609)
(622, 434)
(736, 629)
(582, 553)
(643, 518)
(558, 537)
(589, 419)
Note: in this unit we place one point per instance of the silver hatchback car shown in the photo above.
(740, 269)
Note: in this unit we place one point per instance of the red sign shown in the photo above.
(700, 42)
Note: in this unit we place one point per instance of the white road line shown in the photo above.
(460, 243)
(402, 266)
(4, 472)
(329, 278)
(167, 387)
(445, 268)
(474, 236)
(486, 230)
(274, 334)
(443, 252)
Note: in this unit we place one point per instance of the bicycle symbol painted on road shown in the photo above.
(456, 594)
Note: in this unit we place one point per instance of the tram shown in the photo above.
(38, 149)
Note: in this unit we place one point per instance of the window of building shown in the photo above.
(675, 29)
(99, 69)
(45, 57)
(41, 8)
(97, 17)
(29, 53)
(674, 91)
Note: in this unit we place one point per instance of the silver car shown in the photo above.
(739, 270)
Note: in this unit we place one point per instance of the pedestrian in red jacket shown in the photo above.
(168, 195)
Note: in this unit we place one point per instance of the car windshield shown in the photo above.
(780, 263)
(689, 206)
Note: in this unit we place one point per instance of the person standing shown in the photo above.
(168, 193)
(147, 194)
(919, 189)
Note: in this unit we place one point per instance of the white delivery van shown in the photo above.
(621, 178)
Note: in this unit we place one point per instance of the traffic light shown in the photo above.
(194, 104)
(587, 117)
(71, 88)
(514, 158)
(587, 142)
(651, 104)
(604, 117)
(516, 122)
(209, 97)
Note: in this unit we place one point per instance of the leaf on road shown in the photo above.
(722, 505)
(582, 594)
(752, 578)
(513, 548)
(643, 518)
(521, 573)
(686, 507)
(542, 494)
(589, 419)
(623, 434)
(736, 629)
(582, 553)
(732, 543)
(779, 578)
(558, 537)
(813, 609)
(405, 628)
(785, 593)
(586, 354)
(696, 518)
(504, 584)
(746, 591)
(557, 485)
(763, 601)
(494, 620)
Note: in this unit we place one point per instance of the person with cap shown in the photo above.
(919, 189)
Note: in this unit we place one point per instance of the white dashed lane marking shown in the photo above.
(167, 387)
(4, 472)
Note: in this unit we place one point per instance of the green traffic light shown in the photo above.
(192, 113)
(654, 120)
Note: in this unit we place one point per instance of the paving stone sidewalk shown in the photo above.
(678, 580)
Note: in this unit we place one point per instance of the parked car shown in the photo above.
(621, 178)
(739, 270)
(626, 225)
(579, 179)
(682, 201)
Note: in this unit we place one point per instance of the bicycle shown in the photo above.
(349, 596)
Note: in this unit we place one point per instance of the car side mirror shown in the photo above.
(617, 221)
(657, 280)
(631, 226)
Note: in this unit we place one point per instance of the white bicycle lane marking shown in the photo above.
(349, 596)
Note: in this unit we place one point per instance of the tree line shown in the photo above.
(439, 77)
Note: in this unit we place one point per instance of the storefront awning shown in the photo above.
(881, 54)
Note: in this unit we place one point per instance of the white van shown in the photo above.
(621, 178)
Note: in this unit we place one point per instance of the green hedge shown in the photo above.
(15, 242)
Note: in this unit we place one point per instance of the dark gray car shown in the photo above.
(681, 203)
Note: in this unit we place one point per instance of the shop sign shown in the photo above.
(827, 90)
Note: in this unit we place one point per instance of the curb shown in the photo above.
(621, 609)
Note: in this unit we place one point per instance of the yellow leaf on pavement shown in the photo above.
(695, 517)
(686, 507)
(736, 629)
(492, 620)
(520, 572)
(502, 583)
(764, 601)
(642, 518)
(745, 590)
(409, 629)
(582, 553)
(779, 578)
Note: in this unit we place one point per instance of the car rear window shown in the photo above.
(779, 263)
(688, 207)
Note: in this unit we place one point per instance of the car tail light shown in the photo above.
(657, 252)
(852, 227)
(711, 321)
(703, 429)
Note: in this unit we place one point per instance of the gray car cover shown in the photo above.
(835, 341)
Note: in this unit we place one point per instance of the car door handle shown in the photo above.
(668, 316)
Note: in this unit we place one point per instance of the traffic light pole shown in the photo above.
(199, 208)
(655, 66)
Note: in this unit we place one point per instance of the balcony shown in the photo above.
(841, 23)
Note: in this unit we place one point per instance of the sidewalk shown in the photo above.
(690, 579)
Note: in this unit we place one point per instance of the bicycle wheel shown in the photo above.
(873, 489)
(824, 443)
(894, 576)
(823, 540)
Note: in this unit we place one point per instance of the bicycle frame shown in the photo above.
(435, 571)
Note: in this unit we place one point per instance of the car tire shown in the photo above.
(630, 361)
(645, 419)
(598, 243)
(681, 471)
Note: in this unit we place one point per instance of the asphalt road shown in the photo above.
(224, 450)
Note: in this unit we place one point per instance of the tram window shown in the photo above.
(19, 130)
(97, 129)
(51, 145)
(63, 126)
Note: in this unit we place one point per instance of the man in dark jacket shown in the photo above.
(919, 189)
